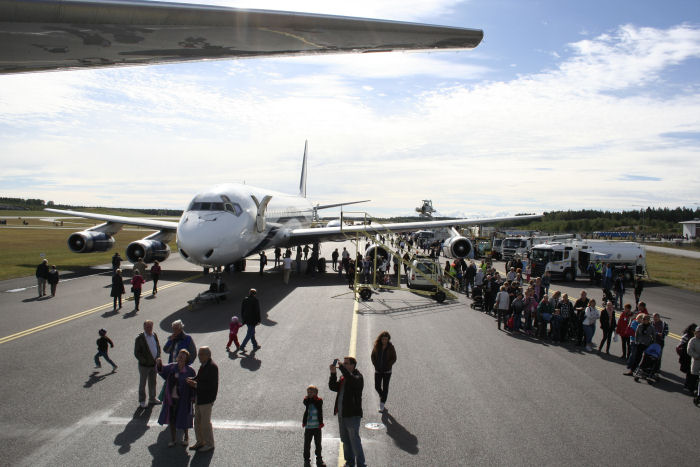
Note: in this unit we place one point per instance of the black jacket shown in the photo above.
(250, 310)
(383, 363)
(318, 403)
(143, 353)
(352, 395)
(605, 323)
(42, 270)
(207, 383)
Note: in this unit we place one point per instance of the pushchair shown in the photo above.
(647, 368)
(478, 298)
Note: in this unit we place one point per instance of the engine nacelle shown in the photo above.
(379, 250)
(456, 247)
(88, 241)
(149, 250)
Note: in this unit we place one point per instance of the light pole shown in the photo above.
(642, 211)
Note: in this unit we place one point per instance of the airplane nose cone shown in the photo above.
(199, 238)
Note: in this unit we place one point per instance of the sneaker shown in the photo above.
(195, 446)
(206, 448)
(154, 402)
(143, 405)
(381, 406)
(627, 373)
(185, 441)
(320, 463)
(257, 347)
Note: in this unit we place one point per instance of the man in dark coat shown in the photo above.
(206, 384)
(250, 315)
(348, 407)
(146, 351)
(42, 274)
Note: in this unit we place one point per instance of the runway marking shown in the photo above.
(33, 330)
(218, 424)
(351, 353)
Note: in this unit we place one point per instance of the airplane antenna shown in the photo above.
(302, 182)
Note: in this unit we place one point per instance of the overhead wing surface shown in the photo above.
(41, 35)
(340, 232)
(140, 222)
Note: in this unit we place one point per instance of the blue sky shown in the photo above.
(563, 105)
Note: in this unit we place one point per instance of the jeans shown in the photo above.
(352, 444)
(315, 434)
(137, 297)
(250, 336)
(381, 385)
(618, 300)
(589, 331)
(106, 357)
(556, 328)
(607, 335)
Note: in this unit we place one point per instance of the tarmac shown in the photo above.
(462, 392)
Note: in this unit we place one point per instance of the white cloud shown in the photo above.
(396, 128)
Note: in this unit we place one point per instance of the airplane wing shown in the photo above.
(341, 232)
(326, 206)
(140, 222)
(42, 35)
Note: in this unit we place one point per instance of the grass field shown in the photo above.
(677, 271)
(21, 249)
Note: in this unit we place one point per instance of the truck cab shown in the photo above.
(557, 258)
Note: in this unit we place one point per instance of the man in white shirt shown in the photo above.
(286, 267)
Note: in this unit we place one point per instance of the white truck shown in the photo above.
(521, 245)
(565, 260)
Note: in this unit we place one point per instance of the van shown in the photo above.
(429, 273)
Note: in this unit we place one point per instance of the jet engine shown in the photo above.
(379, 250)
(88, 241)
(149, 250)
(456, 247)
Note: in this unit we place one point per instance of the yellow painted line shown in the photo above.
(351, 353)
(36, 329)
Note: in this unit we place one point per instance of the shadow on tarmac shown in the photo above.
(135, 429)
(95, 377)
(249, 362)
(208, 317)
(403, 438)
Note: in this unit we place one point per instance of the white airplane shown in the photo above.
(227, 223)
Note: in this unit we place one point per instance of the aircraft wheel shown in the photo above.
(440, 296)
(365, 294)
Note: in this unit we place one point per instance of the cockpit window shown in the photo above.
(228, 206)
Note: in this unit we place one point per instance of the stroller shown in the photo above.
(478, 298)
(647, 368)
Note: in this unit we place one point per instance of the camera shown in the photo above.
(335, 362)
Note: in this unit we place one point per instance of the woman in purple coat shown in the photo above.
(179, 396)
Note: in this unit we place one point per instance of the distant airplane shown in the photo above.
(39, 35)
(227, 223)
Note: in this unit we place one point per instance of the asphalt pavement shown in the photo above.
(462, 392)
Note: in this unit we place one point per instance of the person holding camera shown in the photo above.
(348, 407)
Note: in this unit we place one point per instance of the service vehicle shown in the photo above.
(521, 245)
(424, 274)
(565, 260)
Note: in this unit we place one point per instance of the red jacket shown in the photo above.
(623, 326)
(137, 281)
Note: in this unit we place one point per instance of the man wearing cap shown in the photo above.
(250, 315)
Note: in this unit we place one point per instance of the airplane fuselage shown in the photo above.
(220, 225)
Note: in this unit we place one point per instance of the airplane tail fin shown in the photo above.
(302, 182)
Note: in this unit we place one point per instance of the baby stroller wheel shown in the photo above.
(650, 381)
(636, 379)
